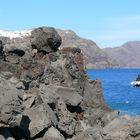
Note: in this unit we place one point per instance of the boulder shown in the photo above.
(48, 95)
(10, 138)
(93, 94)
(53, 133)
(11, 109)
(10, 104)
(69, 95)
(66, 123)
(90, 134)
(118, 129)
(41, 118)
(32, 98)
(13, 55)
(2, 138)
(135, 129)
(45, 39)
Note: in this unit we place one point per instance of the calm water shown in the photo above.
(117, 91)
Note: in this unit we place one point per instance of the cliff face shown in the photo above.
(46, 95)
(127, 55)
(94, 57)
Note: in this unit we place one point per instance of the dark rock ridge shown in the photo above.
(46, 95)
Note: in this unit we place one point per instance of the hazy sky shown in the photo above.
(107, 22)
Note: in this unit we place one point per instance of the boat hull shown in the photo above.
(135, 83)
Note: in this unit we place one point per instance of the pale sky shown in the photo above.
(107, 22)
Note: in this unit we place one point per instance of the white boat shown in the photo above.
(135, 83)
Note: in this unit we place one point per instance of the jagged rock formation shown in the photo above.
(94, 57)
(127, 55)
(46, 95)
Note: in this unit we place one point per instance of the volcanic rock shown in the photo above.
(46, 95)
(53, 133)
(45, 39)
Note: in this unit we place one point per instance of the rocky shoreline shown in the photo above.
(46, 95)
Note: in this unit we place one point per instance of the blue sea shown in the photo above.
(117, 91)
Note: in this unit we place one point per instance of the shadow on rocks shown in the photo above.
(17, 132)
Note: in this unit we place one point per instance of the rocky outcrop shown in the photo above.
(94, 56)
(119, 129)
(45, 39)
(46, 95)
